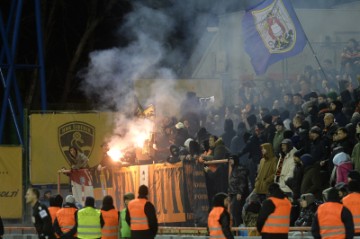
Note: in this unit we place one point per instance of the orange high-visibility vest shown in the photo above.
(66, 219)
(214, 225)
(110, 229)
(279, 220)
(53, 211)
(352, 202)
(329, 217)
(138, 217)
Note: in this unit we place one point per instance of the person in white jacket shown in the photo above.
(285, 166)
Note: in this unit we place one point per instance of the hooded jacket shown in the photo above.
(266, 172)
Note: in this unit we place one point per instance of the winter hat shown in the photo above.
(219, 199)
(251, 119)
(279, 122)
(187, 143)
(332, 95)
(315, 130)
(333, 195)
(287, 141)
(341, 187)
(254, 197)
(338, 103)
(267, 119)
(108, 201)
(89, 202)
(307, 160)
(179, 125)
(129, 196)
(354, 175)
(298, 153)
(354, 186)
(341, 158)
(70, 199)
(274, 188)
(143, 190)
(58, 200)
(308, 197)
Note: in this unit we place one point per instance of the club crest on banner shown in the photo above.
(78, 134)
(275, 27)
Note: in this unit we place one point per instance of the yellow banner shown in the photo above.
(166, 188)
(11, 182)
(53, 134)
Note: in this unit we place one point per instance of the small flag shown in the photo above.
(272, 32)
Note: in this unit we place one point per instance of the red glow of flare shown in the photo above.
(115, 154)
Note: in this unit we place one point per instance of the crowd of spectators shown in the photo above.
(303, 134)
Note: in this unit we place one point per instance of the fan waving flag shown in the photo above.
(271, 33)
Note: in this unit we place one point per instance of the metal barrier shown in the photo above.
(163, 232)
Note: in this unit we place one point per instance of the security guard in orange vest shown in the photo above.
(141, 216)
(111, 217)
(351, 201)
(332, 220)
(274, 215)
(65, 222)
(219, 218)
(55, 205)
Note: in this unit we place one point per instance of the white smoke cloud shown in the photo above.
(111, 74)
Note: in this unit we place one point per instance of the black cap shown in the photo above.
(143, 190)
(354, 175)
(316, 130)
(89, 202)
(279, 122)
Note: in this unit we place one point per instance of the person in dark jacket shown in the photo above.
(336, 109)
(314, 180)
(238, 190)
(150, 214)
(219, 216)
(308, 210)
(318, 149)
(237, 142)
(40, 215)
(229, 132)
(331, 216)
(276, 206)
(253, 148)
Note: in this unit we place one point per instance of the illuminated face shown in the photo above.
(321, 100)
(278, 127)
(284, 148)
(303, 203)
(341, 135)
(30, 197)
(332, 106)
(105, 147)
(287, 99)
(263, 151)
(297, 100)
(313, 136)
(226, 202)
(73, 152)
(328, 120)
